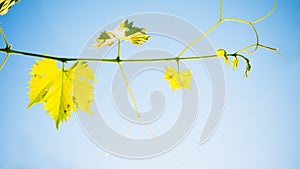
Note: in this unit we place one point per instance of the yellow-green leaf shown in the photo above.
(55, 88)
(125, 31)
(248, 68)
(82, 86)
(223, 53)
(226, 60)
(235, 62)
(178, 79)
(5, 5)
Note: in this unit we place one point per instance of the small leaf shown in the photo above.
(235, 62)
(5, 5)
(226, 60)
(223, 53)
(55, 88)
(125, 31)
(248, 68)
(178, 79)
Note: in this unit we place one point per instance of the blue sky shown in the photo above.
(261, 121)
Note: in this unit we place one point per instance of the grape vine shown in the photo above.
(53, 86)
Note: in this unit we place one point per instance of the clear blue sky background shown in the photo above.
(260, 127)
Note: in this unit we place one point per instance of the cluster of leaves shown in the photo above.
(235, 61)
(64, 90)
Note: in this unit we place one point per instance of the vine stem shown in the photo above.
(256, 47)
(129, 91)
(65, 59)
(268, 14)
(4, 61)
(221, 9)
(199, 38)
(139, 116)
(206, 33)
(116, 60)
(119, 49)
(4, 37)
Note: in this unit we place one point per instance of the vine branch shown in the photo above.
(221, 20)
(129, 91)
(66, 59)
(8, 48)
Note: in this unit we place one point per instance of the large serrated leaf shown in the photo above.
(56, 87)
